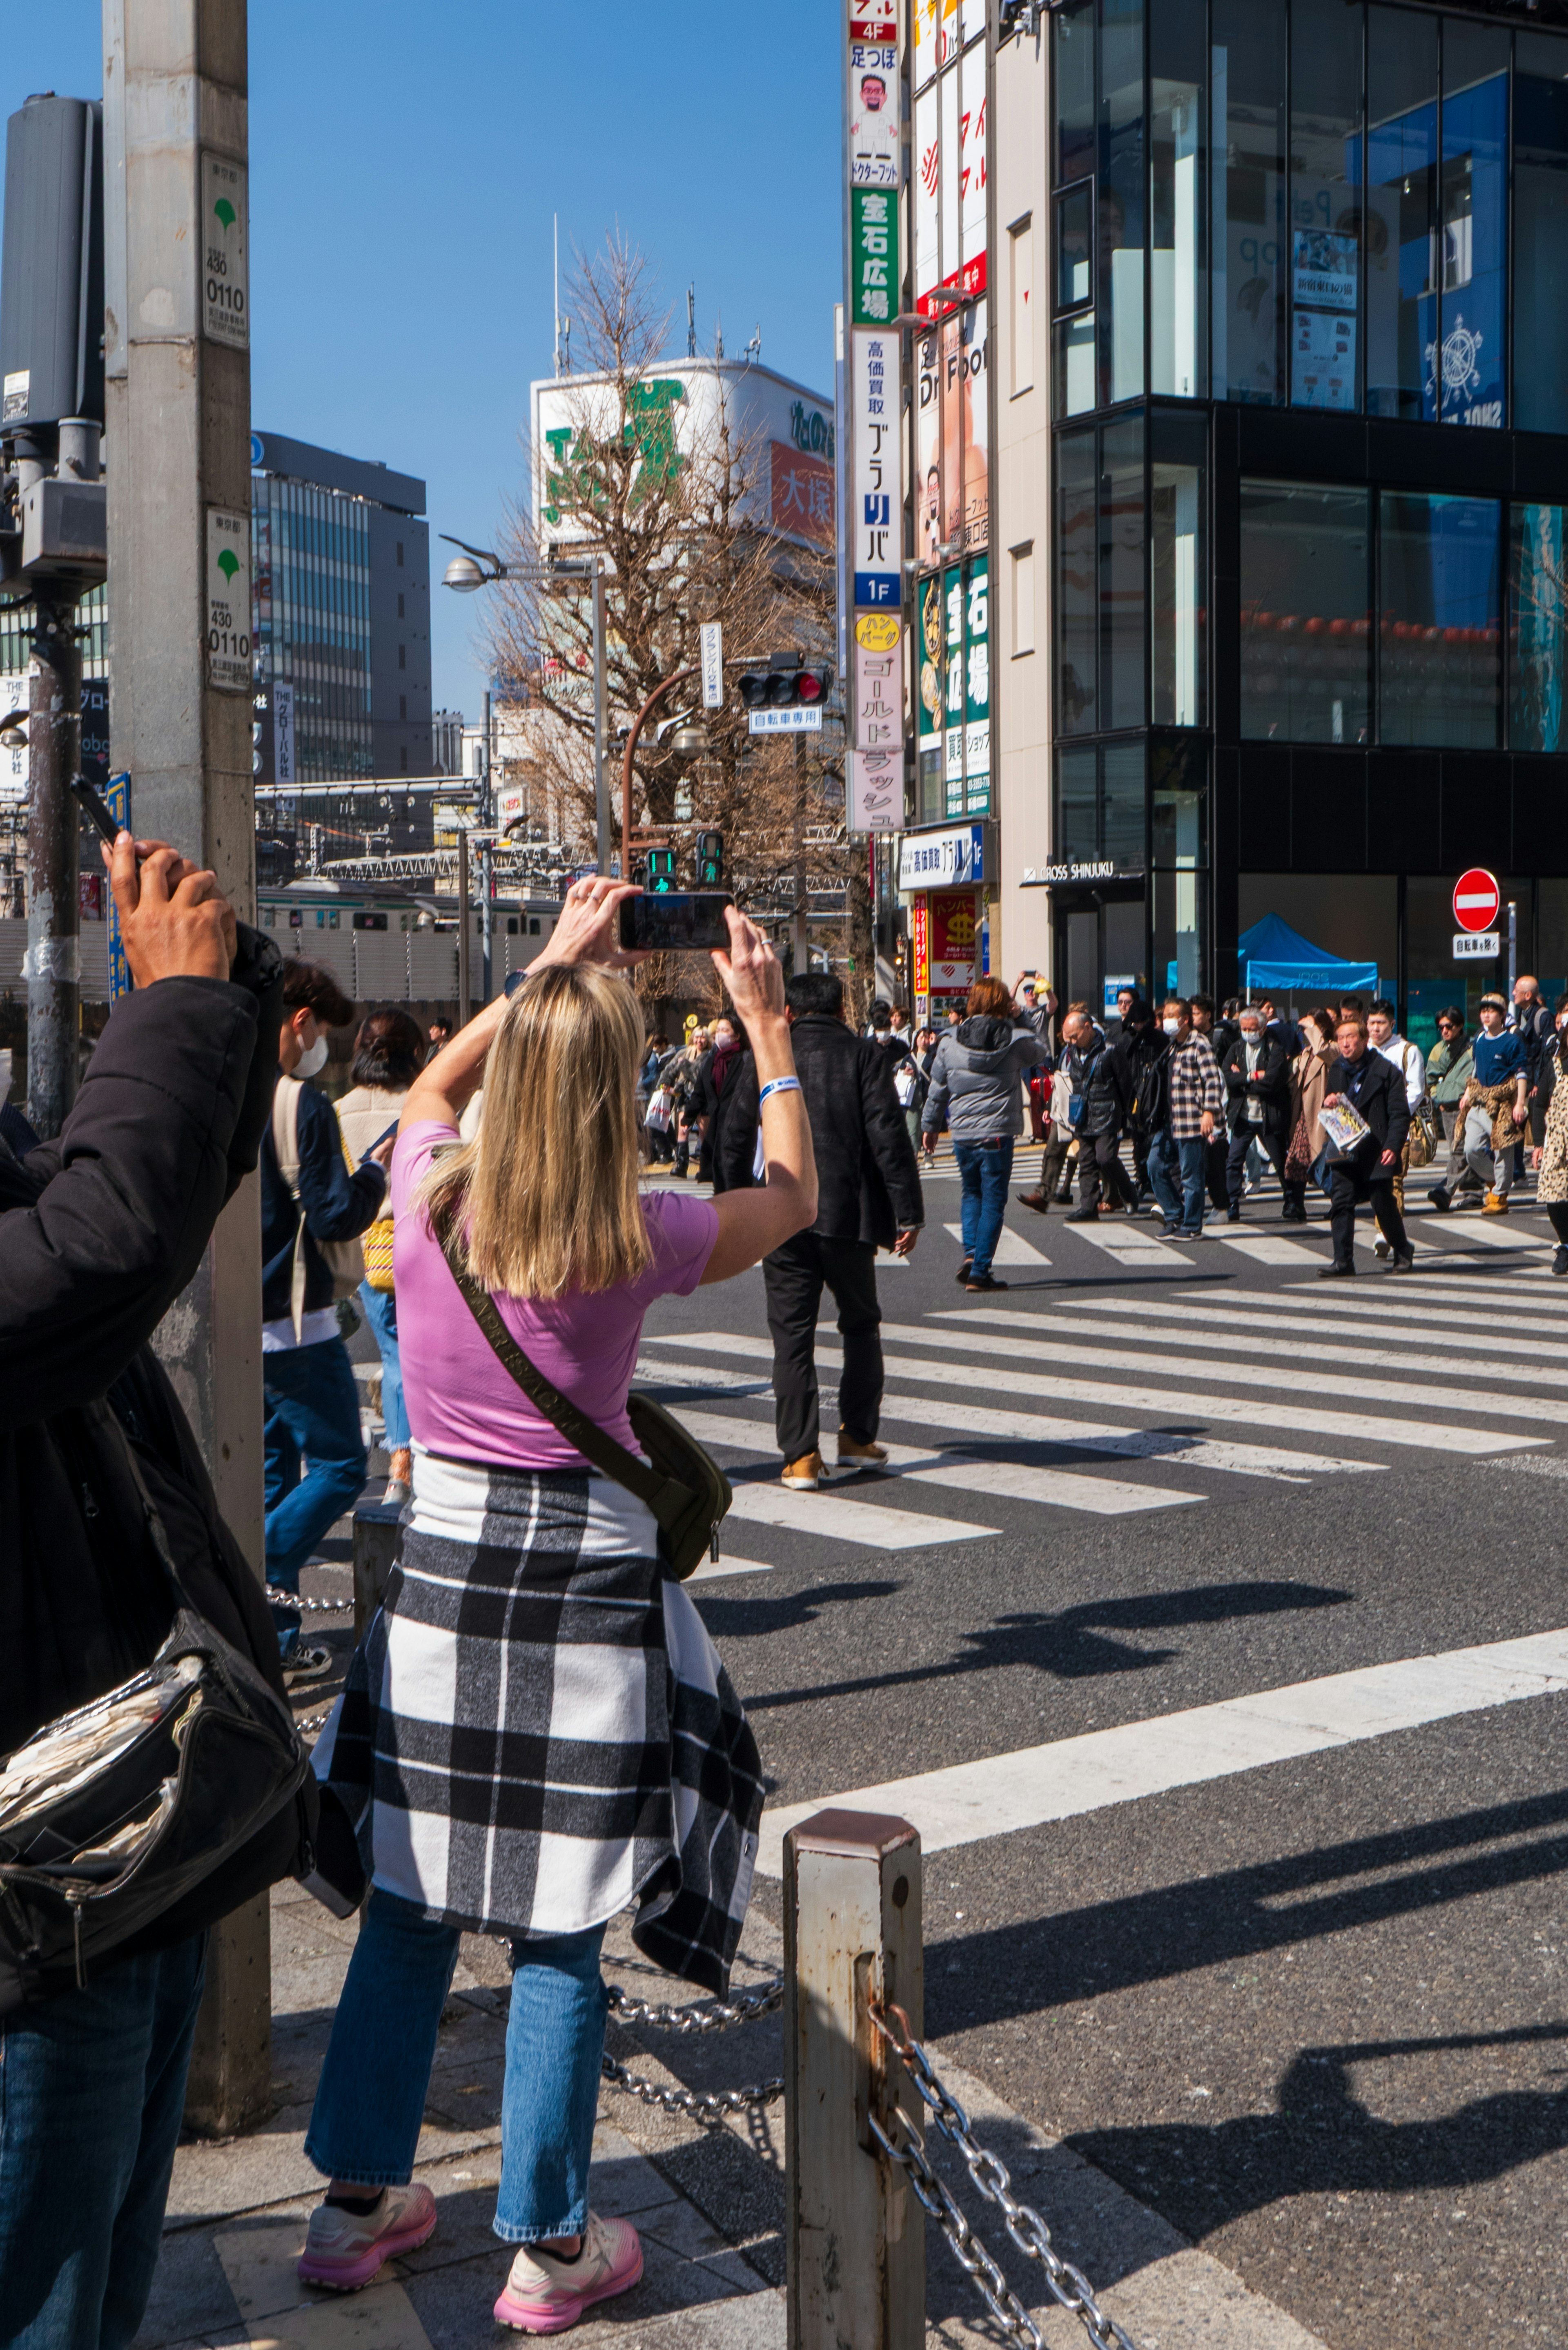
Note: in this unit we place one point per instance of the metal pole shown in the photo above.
(54, 945)
(486, 818)
(800, 949)
(601, 748)
(855, 2235)
(1512, 947)
(464, 1002)
(178, 390)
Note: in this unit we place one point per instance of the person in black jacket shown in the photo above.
(1363, 1081)
(868, 1195)
(312, 1398)
(100, 1231)
(1257, 1072)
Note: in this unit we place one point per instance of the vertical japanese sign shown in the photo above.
(117, 799)
(977, 690)
(920, 941)
(283, 763)
(952, 690)
(228, 601)
(873, 124)
(874, 274)
(711, 637)
(876, 794)
(876, 500)
(225, 255)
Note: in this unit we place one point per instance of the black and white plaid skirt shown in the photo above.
(537, 1730)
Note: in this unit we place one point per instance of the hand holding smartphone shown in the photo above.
(677, 921)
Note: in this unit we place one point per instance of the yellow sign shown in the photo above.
(876, 631)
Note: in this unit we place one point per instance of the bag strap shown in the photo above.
(612, 1460)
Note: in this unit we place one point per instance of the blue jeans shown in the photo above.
(380, 1309)
(312, 1410)
(1166, 1156)
(92, 2089)
(985, 1170)
(371, 2097)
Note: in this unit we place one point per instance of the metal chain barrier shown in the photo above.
(1068, 2287)
(700, 2106)
(714, 2015)
(310, 1607)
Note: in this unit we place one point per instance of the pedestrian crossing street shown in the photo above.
(1083, 1394)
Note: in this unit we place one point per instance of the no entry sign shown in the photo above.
(1477, 898)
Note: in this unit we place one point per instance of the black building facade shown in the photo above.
(1310, 359)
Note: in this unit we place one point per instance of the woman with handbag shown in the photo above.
(537, 1730)
(1309, 1082)
(389, 1054)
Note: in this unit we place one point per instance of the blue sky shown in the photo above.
(405, 162)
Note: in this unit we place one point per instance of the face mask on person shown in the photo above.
(312, 1060)
(1172, 1028)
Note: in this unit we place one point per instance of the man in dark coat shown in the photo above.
(869, 1196)
(100, 1230)
(1257, 1072)
(1365, 1082)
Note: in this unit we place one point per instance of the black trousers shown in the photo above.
(1099, 1162)
(1215, 1159)
(794, 1277)
(1053, 1158)
(1349, 1184)
(1273, 1147)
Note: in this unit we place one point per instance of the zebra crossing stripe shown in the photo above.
(1011, 1248)
(841, 1520)
(1058, 1489)
(1133, 1320)
(969, 1802)
(1178, 1398)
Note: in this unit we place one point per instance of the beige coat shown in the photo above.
(1552, 1186)
(365, 1113)
(1309, 1083)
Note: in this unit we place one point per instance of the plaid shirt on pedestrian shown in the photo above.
(1196, 1086)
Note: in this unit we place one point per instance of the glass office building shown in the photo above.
(1310, 366)
(340, 589)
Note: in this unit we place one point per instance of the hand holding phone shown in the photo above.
(675, 921)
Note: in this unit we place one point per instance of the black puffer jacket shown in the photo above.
(99, 1232)
(867, 1184)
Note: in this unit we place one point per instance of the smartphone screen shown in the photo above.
(681, 918)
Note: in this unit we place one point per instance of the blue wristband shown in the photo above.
(778, 1085)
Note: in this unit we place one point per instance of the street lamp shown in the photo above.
(480, 567)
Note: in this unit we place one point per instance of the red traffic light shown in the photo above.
(812, 685)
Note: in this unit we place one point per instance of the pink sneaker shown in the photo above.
(345, 2251)
(545, 2295)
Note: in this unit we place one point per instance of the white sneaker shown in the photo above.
(344, 2250)
(545, 2294)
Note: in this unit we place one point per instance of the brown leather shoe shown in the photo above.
(853, 1455)
(1037, 1200)
(804, 1475)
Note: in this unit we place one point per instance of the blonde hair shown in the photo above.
(546, 1196)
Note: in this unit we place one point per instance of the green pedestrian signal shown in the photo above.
(709, 860)
(661, 872)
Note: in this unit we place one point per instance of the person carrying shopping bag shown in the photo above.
(389, 1054)
(537, 1730)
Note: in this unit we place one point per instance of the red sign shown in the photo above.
(919, 940)
(1477, 898)
(801, 505)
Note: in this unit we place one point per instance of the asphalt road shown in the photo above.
(1310, 2009)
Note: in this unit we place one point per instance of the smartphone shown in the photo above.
(680, 918)
(93, 802)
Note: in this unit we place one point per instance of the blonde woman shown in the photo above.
(537, 1730)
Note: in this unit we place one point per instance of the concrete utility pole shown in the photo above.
(53, 919)
(177, 359)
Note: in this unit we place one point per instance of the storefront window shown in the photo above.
(1536, 605)
(1439, 639)
(1121, 549)
(1176, 241)
(1077, 662)
(1540, 233)
(1325, 200)
(1468, 368)
(1121, 200)
(1100, 806)
(1305, 617)
(1176, 505)
(1402, 210)
(1248, 176)
(1178, 855)
(1076, 837)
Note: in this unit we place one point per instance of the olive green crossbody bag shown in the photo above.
(685, 1488)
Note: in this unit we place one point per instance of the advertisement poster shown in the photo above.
(928, 390)
(801, 494)
(952, 941)
(966, 354)
(1323, 330)
(878, 697)
(947, 181)
(877, 506)
(971, 171)
(926, 165)
(874, 272)
(920, 944)
(977, 691)
(874, 128)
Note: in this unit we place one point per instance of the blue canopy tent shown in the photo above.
(1276, 959)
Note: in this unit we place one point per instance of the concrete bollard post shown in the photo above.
(855, 2235)
(378, 1538)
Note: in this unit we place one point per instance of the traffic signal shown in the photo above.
(639, 872)
(789, 682)
(709, 860)
(661, 872)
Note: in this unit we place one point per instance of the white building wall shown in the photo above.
(1020, 581)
